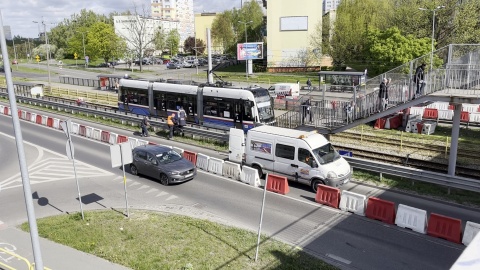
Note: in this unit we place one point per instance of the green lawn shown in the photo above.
(151, 240)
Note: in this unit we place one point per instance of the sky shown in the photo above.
(20, 14)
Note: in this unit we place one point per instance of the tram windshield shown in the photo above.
(264, 105)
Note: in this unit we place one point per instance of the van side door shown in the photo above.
(285, 160)
(305, 162)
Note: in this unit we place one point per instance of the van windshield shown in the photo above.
(326, 154)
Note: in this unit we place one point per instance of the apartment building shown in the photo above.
(176, 10)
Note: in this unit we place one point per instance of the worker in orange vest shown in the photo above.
(171, 124)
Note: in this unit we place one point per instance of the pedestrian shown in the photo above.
(419, 79)
(383, 95)
(307, 107)
(171, 125)
(309, 84)
(182, 119)
(349, 106)
(145, 124)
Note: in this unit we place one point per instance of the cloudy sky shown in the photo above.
(19, 14)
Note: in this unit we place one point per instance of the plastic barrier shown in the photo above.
(190, 156)
(133, 142)
(328, 196)
(75, 128)
(419, 127)
(152, 143)
(141, 142)
(277, 184)
(202, 161)
(428, 127)
(178, 150)
(60, 126)
(44, 120)
(19, 113)
(38, 119)
(33, 117)
(471, 230)
(465, 117)
(105, 137)
(50, 122)
(113, 138)
(445, 227)
(122, 139)
(411, 218)
(56, 123)
(24, 115)
(8, 111)
(353, 202)
(474, 117)
(97, 134)
(430, 114)
(380, 123)
(394, 122)
(416, 111)
(380, 210)
(28, 116)
(445, 114)
(82, 131)
(232, 170)
(168, 146)
(2, 109)
(471, 108)
(89, 133)
(250, 176)
(215, 166)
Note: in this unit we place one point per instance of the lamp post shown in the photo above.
(15, 52)
(48, 52)
(246, 41)
(83, 43)
(433, 30)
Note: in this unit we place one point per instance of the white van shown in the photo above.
(284, 90)
(304, 157)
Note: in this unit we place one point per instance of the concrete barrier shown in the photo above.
(202, 161)
(215, 166)
(411, 218)
(250, 176)
(232, 170)
(353, 202)
(471, 230)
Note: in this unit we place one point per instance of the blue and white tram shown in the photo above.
(209, 106)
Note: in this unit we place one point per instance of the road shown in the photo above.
(349, 241)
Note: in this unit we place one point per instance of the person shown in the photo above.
(419, 79)
(349, 106)
(171, 124)
(309, 84)
(383, 95)
(145, 124)
(307, 107)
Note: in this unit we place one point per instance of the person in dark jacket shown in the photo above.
(383, 95)
(145, 124)
(419, 79)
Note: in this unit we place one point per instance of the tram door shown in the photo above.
(238, 114)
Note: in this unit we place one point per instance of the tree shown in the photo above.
(190, 45)
(160, 39)
(41, 50)
(104, 43)
(173, 41)
(222, 30)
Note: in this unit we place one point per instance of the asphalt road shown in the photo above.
(350, 241)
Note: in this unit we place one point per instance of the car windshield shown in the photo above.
(168, 157)
(326, 154)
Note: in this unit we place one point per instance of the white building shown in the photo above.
(125, 27)
(177, 10)
(330, 5)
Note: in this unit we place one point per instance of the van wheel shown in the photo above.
(315, 183)
(259, 170)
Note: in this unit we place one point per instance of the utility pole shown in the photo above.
(48, 52)
(244, 44)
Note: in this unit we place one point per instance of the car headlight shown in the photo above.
(174, 173)
(331, 175)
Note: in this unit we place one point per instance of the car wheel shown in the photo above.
(164, 179)
(259, 170)
(133, 169)
(315, 183)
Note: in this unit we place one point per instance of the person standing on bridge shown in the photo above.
(383, 95)
(419, 79)
(309, 84)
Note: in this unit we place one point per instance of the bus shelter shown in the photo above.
(343, 81)
(109, 81)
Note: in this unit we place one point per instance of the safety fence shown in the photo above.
(404, 216)
(110, 99)
(80, 81)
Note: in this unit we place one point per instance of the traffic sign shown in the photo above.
(38, 58)
(75, 55)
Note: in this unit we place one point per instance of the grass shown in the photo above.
(150, 240)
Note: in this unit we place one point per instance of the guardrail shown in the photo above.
(134, 119)
(222, 135)
(416, 174)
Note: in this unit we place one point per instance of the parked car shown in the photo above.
(14, 62)
(162, 163)
(174, 65)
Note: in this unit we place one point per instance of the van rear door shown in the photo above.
(236, 145)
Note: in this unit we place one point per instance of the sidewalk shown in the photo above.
(54, 256)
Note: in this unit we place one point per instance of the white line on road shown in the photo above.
(337, 258)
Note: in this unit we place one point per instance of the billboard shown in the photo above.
(247, 51)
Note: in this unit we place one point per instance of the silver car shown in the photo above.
(162, 163)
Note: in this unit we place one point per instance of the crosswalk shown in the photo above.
(133, 185)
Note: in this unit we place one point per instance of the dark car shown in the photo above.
(162, 163)
(174, 65)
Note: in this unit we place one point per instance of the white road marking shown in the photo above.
(337, 258)
(152, 190)
(134, 184)
(171, 198)
(143, 187)
(163, 193)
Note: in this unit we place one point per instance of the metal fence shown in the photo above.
(80, 81)
(455, 67)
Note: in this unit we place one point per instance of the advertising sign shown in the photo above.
(247, 51)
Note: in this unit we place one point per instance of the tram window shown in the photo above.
(211, 108)
(248, 112)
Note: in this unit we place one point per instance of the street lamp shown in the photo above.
(246, 60)
(48, 52)
(15, 52)
(433, 30)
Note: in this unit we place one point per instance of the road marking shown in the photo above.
(171, 198)
(337, 258)
(163, 193)
(152, 190)
(143, 187)
(134, 184)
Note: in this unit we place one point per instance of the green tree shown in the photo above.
(222, 30)
(190, 45)
(173, 42)
(388, 49)
(160, 39)
(104, 43)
